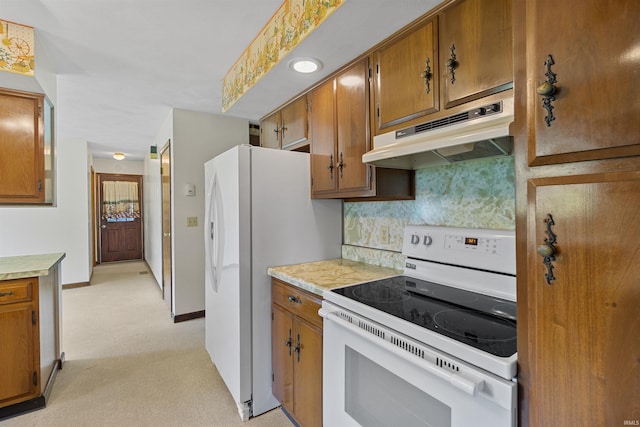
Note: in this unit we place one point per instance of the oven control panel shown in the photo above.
(492, 250)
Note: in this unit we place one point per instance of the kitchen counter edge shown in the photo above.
(20, 267)
(320, 276)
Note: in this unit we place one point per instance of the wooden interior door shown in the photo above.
(165, 172)
(120, 233)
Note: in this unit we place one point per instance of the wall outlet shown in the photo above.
(192, 221)
(383, 235)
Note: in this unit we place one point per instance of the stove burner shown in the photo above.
(380, 293)
(473, 326)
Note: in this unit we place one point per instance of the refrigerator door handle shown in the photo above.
(214, 248)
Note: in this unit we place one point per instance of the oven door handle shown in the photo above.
(469, 386)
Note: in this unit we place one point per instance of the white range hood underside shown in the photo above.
(484, 136)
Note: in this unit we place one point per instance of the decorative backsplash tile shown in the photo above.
(473, 194)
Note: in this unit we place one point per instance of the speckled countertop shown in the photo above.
(18, 267)
(319, 276)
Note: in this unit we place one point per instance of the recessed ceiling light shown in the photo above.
(305, 65)
(118, 156)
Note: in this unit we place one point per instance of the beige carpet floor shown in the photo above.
(128, 364)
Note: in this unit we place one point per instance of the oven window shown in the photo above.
(376, 397)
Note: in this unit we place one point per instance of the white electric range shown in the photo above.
(435, 346)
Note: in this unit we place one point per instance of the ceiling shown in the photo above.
(122, 65)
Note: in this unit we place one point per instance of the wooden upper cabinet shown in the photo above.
(352, 113)
(286, 128)
(339, 120)
(323, 140)
(294, 128)
(21, 147)
(596, 105)
(476, 50)
(270, 131)
(407, 79)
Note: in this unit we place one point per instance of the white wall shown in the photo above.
(125, 167)
(64, 227)
(197, 137)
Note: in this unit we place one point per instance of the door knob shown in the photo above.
(103, 226)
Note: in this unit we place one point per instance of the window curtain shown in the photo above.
(120, 201)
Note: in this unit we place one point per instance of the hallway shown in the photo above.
(128, 364)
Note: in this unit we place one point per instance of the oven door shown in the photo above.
(373, 376)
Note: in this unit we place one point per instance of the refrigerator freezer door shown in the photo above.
(227, 322)
(287, 227)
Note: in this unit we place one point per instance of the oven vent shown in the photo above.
(345, 316)
(447, 365)
(406, 346)
(371, 329)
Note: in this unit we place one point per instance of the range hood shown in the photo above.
(477, 133)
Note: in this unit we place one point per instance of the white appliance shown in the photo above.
(477, 133)
(433, 347)
(258, 214)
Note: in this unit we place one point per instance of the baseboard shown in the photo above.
(22, 407)
(75, 285)
(188, 316)
(52, 377)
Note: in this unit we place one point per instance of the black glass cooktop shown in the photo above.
(481, 321)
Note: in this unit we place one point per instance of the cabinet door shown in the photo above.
(352, 113)
(21, 147)
(594, 47)
(584, 328)
(294, 122)
(17, 354)
(270, 131)
(323, 142)
(308, 375)
(477, 36)
(407, 78)
(282, 333)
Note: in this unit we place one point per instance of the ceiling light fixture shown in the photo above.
(305, 65)
(118, 156)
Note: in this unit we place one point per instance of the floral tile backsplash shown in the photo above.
(472, 194)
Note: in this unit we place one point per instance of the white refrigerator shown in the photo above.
(258, 214)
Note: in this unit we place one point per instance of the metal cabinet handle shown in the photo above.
(330, 167)
(452, 63)
(294, 299)
(427, 75)
(548, 91)
(548, 250)
(289, 342)
(4, 294)
(297, 349)
(341, 165)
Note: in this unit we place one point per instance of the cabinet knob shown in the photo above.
(548, 250)
(452, 63)
(427, 75)
(548, 91)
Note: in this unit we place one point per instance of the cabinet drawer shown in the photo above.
(297, 301)
(14, 291)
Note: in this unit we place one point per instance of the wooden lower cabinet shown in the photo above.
(297, 352)
(19, 341)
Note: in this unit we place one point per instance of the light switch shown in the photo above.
(192, 221)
